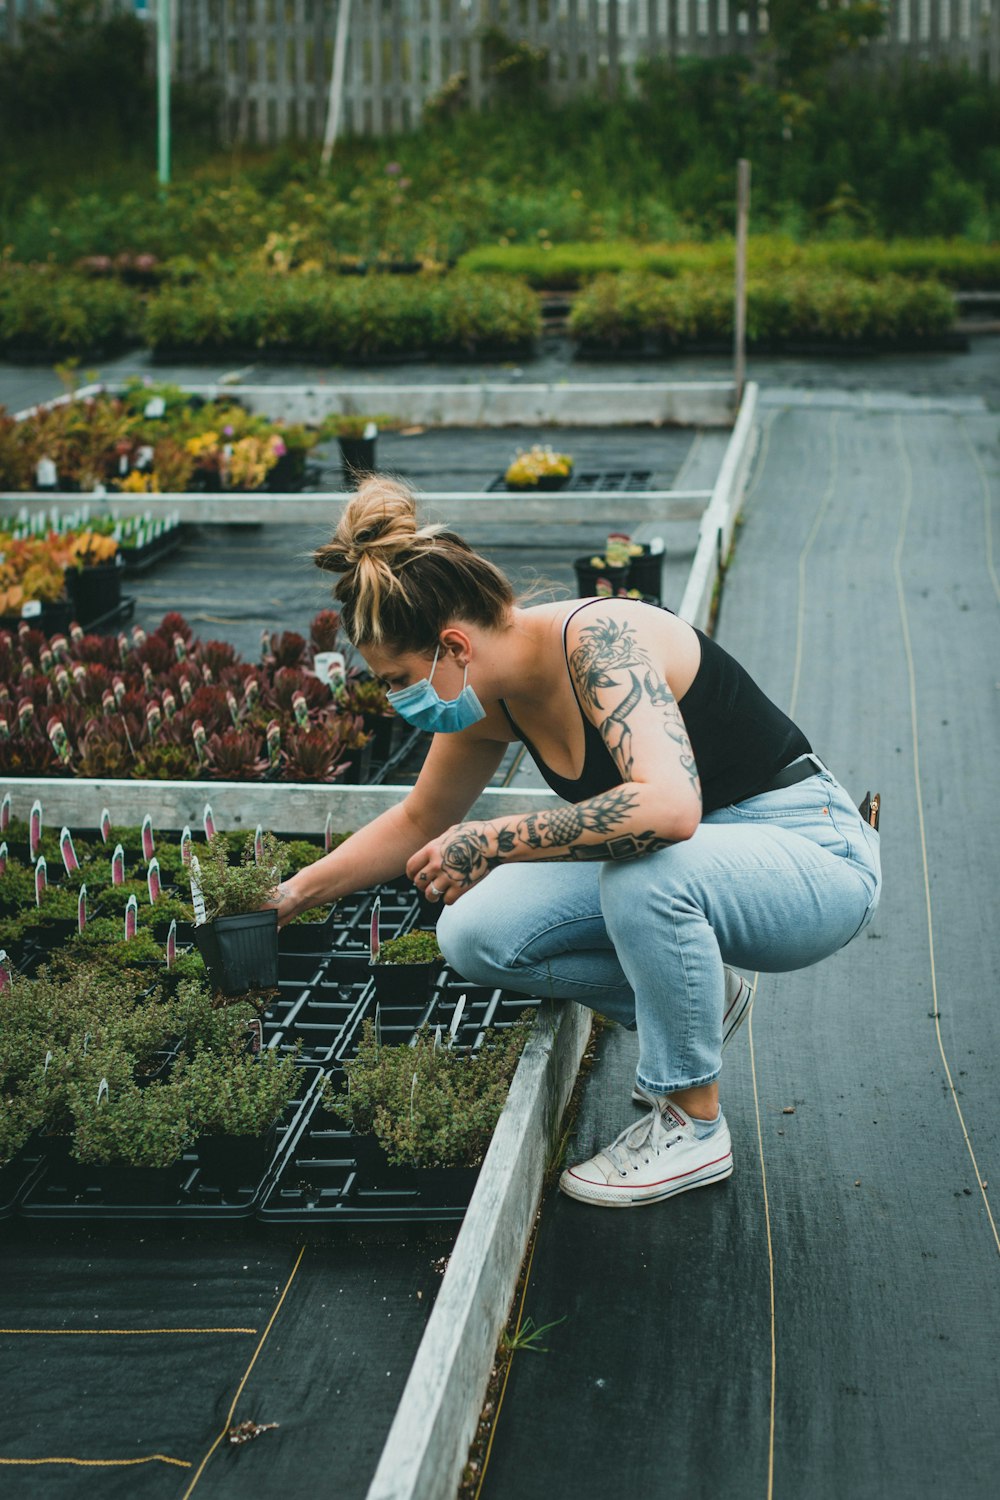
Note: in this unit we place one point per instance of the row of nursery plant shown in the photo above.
(34, 569)
(125, 1054)
(955, 262)
(47, 309)
(169, 705)
(153, 439)
(634, 309)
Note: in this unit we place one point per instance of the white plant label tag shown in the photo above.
(4, 970)
(153, 881)
(172, 944)
(46, 474)
(66, 849)
(255, 1029)
(5, 811)
(328, 833)
(373, 943)
(103, 1092)
(81, 909)
(118, 866)
(148, 844)
(105, 824)
(3, 858)
(378, 1025)
(131, 918)
(41, 879)
(187, 846)
(208, 818)
(258, 844)
(155, 408)
(456, 1020)
(31, 609)
(197, 899)
(35, 828)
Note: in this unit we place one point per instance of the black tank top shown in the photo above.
(739, 737)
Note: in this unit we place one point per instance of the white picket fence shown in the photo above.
(273, 57)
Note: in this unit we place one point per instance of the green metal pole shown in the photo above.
(163, 91)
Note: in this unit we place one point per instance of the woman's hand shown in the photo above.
(449, 865)
(287, 902)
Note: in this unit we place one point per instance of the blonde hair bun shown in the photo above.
(379, 524)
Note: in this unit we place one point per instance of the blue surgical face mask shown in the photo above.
(422, 706)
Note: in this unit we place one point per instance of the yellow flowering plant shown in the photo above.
(538, 467)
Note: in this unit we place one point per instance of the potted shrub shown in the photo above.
(357, 436)
(93, 576)
(539, 468)
(426, 1104)
(238, 941)
(238, 1103)
(405, 967)
(130, 1138)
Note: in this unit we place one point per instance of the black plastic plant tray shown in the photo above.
(69, 1190)
(321, 1020)
(308, 937)
(331, 1177)
(622, 480)
(138, 560)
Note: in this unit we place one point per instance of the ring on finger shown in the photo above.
(432, 890)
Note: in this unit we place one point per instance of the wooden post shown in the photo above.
(740, 319)
(336, 82)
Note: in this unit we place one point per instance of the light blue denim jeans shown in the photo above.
(774, 883)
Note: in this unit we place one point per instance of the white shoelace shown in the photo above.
(644, 1140)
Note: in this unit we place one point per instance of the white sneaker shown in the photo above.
(739, 998)
(655, 1158)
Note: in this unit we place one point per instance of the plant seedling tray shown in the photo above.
(185, 1192)
(16, 1178)
(139, 560)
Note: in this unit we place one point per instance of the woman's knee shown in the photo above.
(471, 932)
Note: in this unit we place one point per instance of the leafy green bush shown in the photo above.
(634, 309)
(411, 948)
(59, 313)
(344, 319)
(229, 890)
(957, 263)
(427, 1105)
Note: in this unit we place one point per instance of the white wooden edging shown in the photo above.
(719, 519)
(460, 508)
(287, 806)
(436, 1419)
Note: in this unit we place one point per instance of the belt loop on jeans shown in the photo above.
(798, 770)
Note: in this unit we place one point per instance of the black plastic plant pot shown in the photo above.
(237, 1161)
(359, 766)
(587, 576)
(94, 591)
(357, 456)
(442, 1185)
(241, 953)
(349, 968)
(289, 473)
(404, 984)
(307, 937)
(645, 573)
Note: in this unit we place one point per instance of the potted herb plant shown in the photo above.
(238, 1103)
(238, 940)
(405, 967)
(357, 436)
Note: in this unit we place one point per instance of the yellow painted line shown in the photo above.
(770, 1255)
(246, 1374)
(101, 1463)
(118, 1332)
(911, 674)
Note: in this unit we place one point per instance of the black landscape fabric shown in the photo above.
(882, 1241)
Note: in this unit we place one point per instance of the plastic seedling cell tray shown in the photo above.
(192, 1190)
(334, 1177)
(321, 1020)
(16, 1178)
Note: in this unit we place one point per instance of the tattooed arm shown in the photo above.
(622, 690)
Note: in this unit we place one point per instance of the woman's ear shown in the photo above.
(456, 644)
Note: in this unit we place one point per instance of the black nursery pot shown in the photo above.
(645, 573)
(95, 591)
(587, 576)
(403, 984)
(237, 1161)
(241, 953)
(357, 456)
